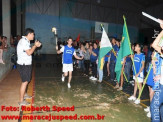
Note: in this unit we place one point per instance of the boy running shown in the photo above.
(68, 52)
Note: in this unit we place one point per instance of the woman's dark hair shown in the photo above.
(27, 31)
(151, 49)
(141, 46)
(94, 43)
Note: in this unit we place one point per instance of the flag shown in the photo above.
(105, 47)
(125, 50)
(78, 38)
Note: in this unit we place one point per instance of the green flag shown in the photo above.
(105, 47)
(124, 51)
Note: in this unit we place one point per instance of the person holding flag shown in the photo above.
(119, 88)
(125, 50)
(105, 47)
(113, 55)
(138, 76)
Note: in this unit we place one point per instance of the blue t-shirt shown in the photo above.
(106, 58)
(128, 59)
(113, 57)
(158, 63)
(138, 59)
(92, 57)
(67, 54)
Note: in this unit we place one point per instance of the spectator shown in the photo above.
(94, 54)
(87, 59)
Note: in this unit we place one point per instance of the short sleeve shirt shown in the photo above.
(22, 47)
(68, 52)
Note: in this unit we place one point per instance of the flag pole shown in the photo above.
(146, 78)
(130, 50)
(145, 81)
(121, 69)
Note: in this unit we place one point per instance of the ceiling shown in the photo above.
(142, 3)
(147, 3)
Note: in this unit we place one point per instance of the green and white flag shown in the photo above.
(105, 47)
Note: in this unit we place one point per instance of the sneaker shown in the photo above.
(147, 109)
(132, 81)
(137, 101)
(24, 103)
(63, 78)
(120, 89)
(91, 77)
(99, 81)
(69, 86)
(26, 96)
(115, 80)
(149, 114)
(132, 98)
(116, 87)
(94, 79)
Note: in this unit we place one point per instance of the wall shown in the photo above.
(5, 68)
(67, 26)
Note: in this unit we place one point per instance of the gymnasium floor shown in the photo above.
(88, 97)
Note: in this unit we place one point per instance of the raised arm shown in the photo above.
(155, 44)
(59, 51)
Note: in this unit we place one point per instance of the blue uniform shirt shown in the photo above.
(128, 59)
(92, 57)
(68, 52)
(158, 64)
(106, 58)
(138, 59)
(116, 49)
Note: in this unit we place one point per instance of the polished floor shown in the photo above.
(88, 97)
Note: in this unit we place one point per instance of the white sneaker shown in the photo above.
(115, 80)
(149, 114)
(132, 98)
(94, 79)
(91, 77)
(63, 78)
(137, 101)
(116, 87)
(120, 89)
(147, 109)
(69, 86)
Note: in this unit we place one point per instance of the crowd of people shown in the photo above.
(144, 61)
(4, 45)
(145, 65)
